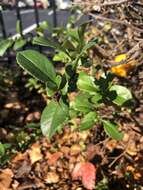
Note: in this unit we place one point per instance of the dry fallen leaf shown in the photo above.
(90, 152)
(22, 169)
(51, 177)
(65, 150)
(53, 158)
(111, 144)
(132, 149)
(130, 168)
(87, 173)
(6, 179)
(35, 153)
(75, 149)
(137, 176)
(20, 156)
(126, 137)
(15, 185)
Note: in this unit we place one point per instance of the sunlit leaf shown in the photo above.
(122, 94)
(61, 56)
(86, 83)
(4, 45)
(37, 65)
(112, 130)
(53, 116)
(19, 43)
(89, 45)
(48, 43)
(88, 121)
(2, 149)
(82, 104)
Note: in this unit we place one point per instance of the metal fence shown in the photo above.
(56, 19)
(17, 10)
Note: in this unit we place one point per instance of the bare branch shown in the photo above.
(115, 2)
(98, 17)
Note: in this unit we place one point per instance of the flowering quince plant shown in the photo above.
(71, 50)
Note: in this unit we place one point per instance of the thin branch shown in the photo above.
(98, 17)
(114, 2)
(118, 157)
(118, 2)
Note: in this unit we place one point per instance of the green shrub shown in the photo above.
(71, 49)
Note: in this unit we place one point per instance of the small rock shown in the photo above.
(13, 105)
(33, 116)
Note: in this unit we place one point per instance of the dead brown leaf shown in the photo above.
(132, 149)
(22, 169)
(35, 153)
(53, 158)
(5, 179)
(51, 177)
(20, 156)
(75, 149)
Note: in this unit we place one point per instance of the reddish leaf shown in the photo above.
(77, 172)
(87, 173)
(53, 158)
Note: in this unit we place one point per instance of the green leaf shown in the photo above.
(32, 125)
(53, 117)
(89, 45)
(44, 25)
(38, 66)
(48, 43)
(61, 56)
(4, 45)
(63, 82)
(82, 104)
(112, 130)
(122, 94)
(58, 80)
(73, 33)
(2, 149)
(82, 30)
(86, 83)
(19, 43)
(68, 44)
(88, 121)
(83, 50)
(96, 98)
